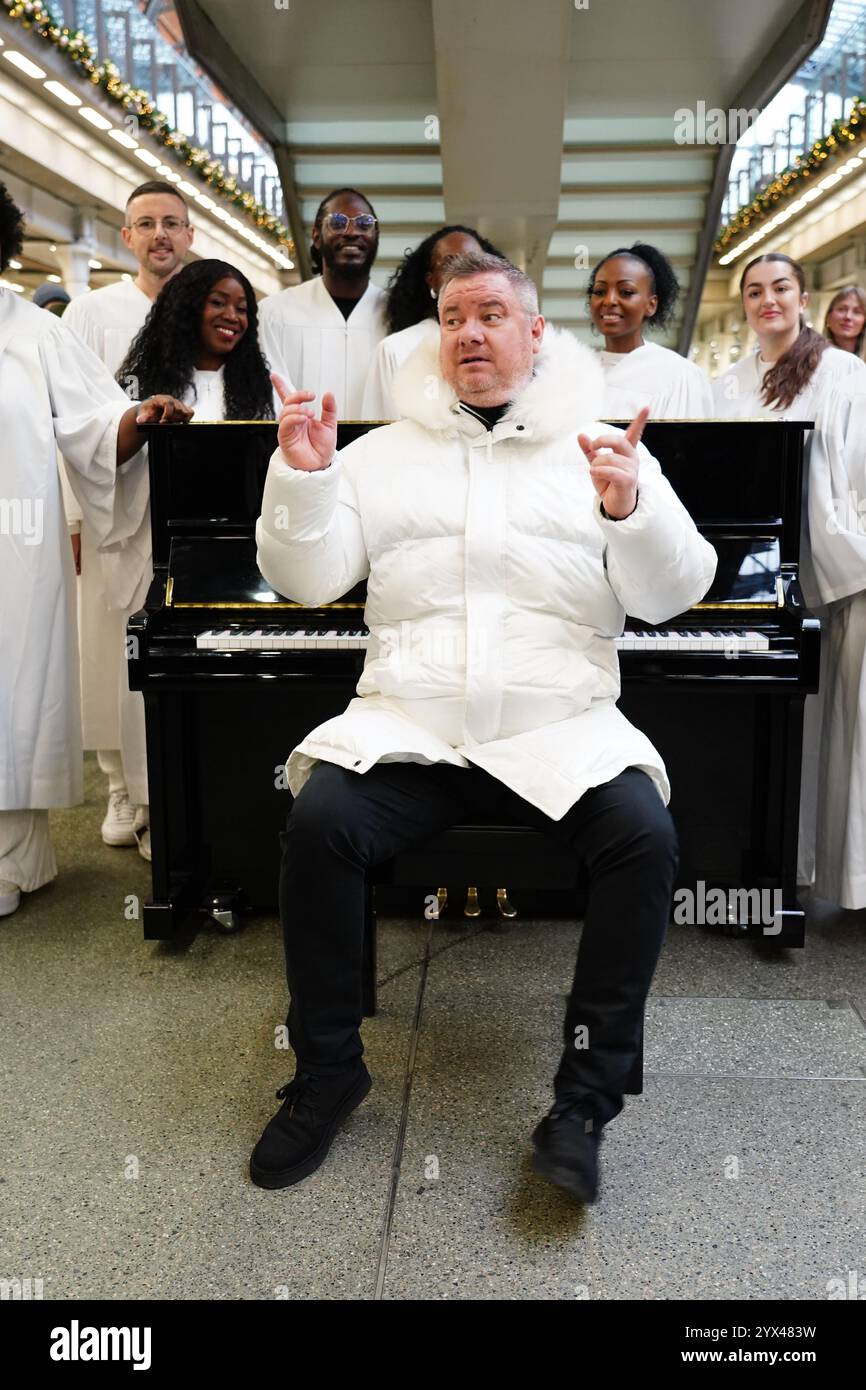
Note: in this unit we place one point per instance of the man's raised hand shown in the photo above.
(613, 466)
(306, 443)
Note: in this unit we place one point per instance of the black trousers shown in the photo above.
(343, 822)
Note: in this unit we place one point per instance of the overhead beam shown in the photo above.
(207, 46)
(502, 156)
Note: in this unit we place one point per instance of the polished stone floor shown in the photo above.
(137, 1076)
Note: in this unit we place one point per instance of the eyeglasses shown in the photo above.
(146, 225)
(338, 222)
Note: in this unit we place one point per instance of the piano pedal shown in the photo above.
(473, 906)
(506, 907)
(441, 902)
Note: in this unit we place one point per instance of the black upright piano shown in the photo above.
(234, 675)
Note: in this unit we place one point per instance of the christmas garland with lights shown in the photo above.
(843, 133)
(32, 14)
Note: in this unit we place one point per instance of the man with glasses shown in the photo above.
(159, 235)
(325, 332)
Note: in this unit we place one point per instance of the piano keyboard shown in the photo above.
(317, 639)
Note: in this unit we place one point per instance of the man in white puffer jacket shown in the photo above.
(503, 533)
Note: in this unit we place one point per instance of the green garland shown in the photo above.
(790, 181)
(32, 14)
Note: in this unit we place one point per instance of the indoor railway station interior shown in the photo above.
(433, 651)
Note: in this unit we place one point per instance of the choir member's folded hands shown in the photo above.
(306, 443)
(613, 466)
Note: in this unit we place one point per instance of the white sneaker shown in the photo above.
(118, 828)
(142, 831)
(10, 897)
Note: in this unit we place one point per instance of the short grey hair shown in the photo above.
(482, 263)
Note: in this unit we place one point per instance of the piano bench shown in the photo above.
(489, 856)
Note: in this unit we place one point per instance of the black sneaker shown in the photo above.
(566, 1150)
(297, 1139)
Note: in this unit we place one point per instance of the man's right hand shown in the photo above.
(306, 443)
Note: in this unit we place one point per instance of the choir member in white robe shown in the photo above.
(773, 289)
(158, 233)
(410, 312)
(53, 394)
(837, 523)
(629, 292)
(323, 334)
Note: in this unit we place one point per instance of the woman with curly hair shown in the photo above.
(54, 394)
(631, 290)
(410, 311)
(200, 343)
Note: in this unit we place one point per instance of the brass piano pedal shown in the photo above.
(473, 906)
(506, 907)
(441, 901)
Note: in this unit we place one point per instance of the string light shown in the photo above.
(32, 14)
(784, 185)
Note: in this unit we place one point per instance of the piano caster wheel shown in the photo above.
(473, 906)
(225, 920)
(221, 910)
(506, 908)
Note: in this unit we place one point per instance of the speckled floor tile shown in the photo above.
(755, 1037)
(710, 1189)
(121, 1056)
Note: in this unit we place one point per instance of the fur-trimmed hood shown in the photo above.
(565, 393)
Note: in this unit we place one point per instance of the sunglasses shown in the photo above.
(338, 222)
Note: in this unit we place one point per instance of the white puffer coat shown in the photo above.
(495, 586)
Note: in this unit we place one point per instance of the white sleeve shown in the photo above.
(378, 403)
(658, 563)
(310, 539)
(837, 493)
(71, 505)
(273, 347)
(87, 406)
(691, 397)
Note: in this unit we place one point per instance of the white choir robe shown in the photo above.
(304, 335)
(837, 519)
(673, 387)
(107, 320)
(736, 395)
(378, 402)
(53, 394)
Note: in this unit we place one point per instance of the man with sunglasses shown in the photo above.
(325, 331)
(158, 233)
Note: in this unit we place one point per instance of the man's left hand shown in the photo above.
(613, 466)
(163, 410)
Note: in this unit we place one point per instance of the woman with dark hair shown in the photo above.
(789, 373)
(845, 320)
(200, 343)
(633, 289)
(793, 374)
(410, 311)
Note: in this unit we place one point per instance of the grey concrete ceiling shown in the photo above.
(555, 123)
